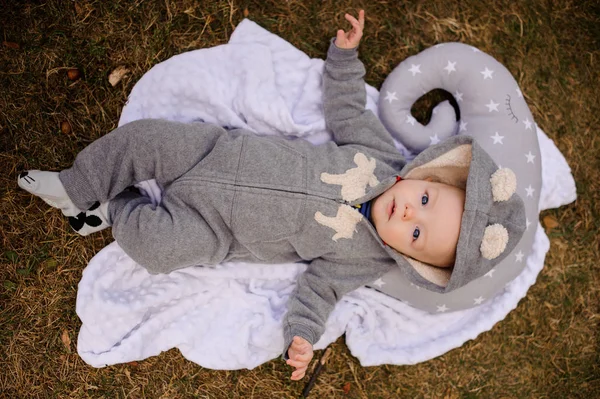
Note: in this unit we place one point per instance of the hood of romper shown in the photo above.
(493, 220)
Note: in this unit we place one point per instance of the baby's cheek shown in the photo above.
(393, 239)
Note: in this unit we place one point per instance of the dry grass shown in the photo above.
(547, 348)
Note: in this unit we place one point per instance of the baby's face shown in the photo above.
(420, 219)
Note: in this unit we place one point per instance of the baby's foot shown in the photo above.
(92, 220)
(49, 188)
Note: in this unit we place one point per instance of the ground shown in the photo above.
(548, 347)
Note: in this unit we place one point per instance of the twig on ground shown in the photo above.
(318, 369)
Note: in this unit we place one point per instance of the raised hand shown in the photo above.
(351, 39)
(300, 354)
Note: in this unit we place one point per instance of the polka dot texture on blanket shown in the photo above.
(493, 110)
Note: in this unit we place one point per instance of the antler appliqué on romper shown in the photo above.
(354, 183)
(344, 223)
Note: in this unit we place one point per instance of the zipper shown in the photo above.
(199, 179)
(337, 200)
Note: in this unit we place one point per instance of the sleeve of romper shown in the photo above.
(344, 100)
(319, 288)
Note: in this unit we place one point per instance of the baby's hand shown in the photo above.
(300, 354)
(351, 39)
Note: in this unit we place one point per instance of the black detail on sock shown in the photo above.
(93, 220)
(77, 222)
(96, 205)
(26, 177)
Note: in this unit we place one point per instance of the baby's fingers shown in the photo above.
(301, 348)
(352, 20)
(296, 363)
(303, 358)
(299, 374)
(357, 23)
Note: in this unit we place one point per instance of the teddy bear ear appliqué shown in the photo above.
(504, 184)
(495, 238)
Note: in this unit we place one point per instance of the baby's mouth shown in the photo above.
(392, 209)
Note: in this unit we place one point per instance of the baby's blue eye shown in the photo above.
(424, 199)
(416, 233)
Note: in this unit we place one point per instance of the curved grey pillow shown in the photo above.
(492, 110)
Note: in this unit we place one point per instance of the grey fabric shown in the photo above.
(232, 195)
(139, 151)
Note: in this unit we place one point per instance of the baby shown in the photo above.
(351, 208)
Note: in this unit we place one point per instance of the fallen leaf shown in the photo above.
(346, 388)
(65, 127)
(246, 12)
(134, 364)
(66, 340)
(550, 222)
(73, 74)
(12, 45)
(78, 8)
(118, 74)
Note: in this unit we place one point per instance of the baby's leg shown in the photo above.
(138, 151)
(169, 236)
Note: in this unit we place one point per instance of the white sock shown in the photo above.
(49, 188)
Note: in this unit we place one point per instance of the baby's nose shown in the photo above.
(409, 212)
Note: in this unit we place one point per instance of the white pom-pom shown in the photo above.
(495, 238)
(504, 184)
